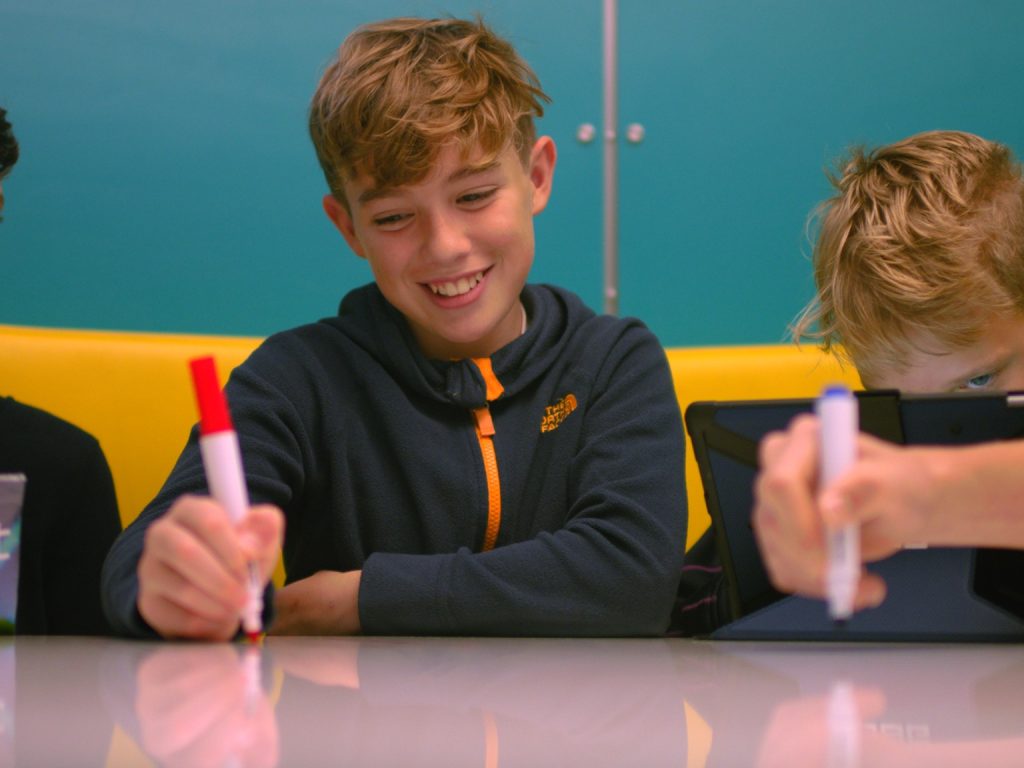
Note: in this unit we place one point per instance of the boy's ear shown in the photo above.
(342, 219)
(542, 171)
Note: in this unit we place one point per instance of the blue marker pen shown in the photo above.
(837, 410)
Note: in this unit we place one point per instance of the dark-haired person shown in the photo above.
(69, 515)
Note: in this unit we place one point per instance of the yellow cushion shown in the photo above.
(132, 391)
(745, 373)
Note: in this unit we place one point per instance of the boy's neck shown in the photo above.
(441, 349)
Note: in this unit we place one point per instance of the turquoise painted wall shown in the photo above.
(166, 181)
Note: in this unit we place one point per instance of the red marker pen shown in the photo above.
(222, 460)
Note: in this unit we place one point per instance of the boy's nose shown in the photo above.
(445, 239)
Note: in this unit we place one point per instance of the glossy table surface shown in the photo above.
(496, 703)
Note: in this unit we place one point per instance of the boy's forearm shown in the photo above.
(980, 494)
(570, 584)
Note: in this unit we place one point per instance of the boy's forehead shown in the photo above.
(923, 373)
(930, 365)
(451, 165)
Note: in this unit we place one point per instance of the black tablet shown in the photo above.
(932, 594)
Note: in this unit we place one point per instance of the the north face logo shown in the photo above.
(557, 413)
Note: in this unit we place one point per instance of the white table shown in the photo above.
(497, 703)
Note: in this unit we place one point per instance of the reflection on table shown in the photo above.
(507, 702)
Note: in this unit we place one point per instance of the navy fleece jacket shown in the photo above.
(373, 453)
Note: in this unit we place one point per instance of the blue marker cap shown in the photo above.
(833, 390)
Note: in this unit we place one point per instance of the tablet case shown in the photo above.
(933, 594)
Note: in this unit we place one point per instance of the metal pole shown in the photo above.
(611, 161)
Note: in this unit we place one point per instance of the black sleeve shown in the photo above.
(90, 523)
(69, 519)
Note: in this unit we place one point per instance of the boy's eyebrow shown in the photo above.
(374, 193)
(472, 170)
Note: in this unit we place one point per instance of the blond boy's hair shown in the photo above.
(922, 245)
(400, 90)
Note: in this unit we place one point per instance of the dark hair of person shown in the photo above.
(8, 145)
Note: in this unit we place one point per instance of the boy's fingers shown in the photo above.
(262, 534)
(176, 591)
(783, 492)
(800, 437)
(176, 548)
(209, 524)
(836, 509)
(172, 620)
(264, 525)
(871, 591)
(189, 559)
(177, 607)
(793, 551)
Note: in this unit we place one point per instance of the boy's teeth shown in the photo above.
(464, 285)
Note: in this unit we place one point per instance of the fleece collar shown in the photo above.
(382, 331)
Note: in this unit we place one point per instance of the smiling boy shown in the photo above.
(456, 451)
(919, 266)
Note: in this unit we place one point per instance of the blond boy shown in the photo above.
(457, 451)
(919, 266)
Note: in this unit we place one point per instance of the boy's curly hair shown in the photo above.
(923, 243)
(399, 90)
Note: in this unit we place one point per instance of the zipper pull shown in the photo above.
(484, 422)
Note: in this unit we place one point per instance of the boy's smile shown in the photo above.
(453, 251)
(452, 288)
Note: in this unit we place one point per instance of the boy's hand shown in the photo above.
(193, 570)
(326, 603)
(788, 519)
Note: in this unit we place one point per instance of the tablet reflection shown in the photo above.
(880, 706)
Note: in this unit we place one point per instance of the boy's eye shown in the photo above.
(390, 221)
(477, 197)
(980, 381)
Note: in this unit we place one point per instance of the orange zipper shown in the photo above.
(485, 436)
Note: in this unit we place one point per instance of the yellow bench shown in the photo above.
(132, 391)
(745, 373)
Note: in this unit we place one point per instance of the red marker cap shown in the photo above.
(213, 406)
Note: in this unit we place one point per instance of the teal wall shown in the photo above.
(166, 181)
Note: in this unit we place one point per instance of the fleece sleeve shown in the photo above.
(614, 567)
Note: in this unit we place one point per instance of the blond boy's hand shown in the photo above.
(193, 569)
(788, 520)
